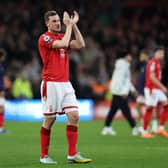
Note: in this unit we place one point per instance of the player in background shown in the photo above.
(155, 92)
(140, 101)
(165, 69)
(2, 93)
(121, 86)
(57, 93)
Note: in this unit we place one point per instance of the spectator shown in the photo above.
(22, 87)
(119, 25)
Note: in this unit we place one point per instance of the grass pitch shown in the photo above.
(20, 148)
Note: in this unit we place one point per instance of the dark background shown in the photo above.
(109, 27)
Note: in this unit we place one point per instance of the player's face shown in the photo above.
(143, 57)
(160, 54)
(2, 58)
(129, 58)
(54, 23)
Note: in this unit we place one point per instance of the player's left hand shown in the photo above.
(75, 17)
(135, 94)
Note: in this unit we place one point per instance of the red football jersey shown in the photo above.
(153, 66)
(55, 60)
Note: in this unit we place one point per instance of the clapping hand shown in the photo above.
(66, 19)
(75, 17)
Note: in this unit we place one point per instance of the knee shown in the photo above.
(48, 122)
(74, 118)
(1, 109)
(149, 109)
(164, 104)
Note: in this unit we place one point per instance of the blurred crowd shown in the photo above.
(109, 27)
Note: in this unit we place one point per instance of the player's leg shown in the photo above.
(72, 132)
(147, 117)
(164, 114)
(154, 122)
(72, 138)
(151, 102)
(139, 105)
(140, 102)
(45, 133)
(2, 103)
(107, 130)
(127, 113)
(49, 111)
(69, 106)
(139, 109)
(163, 117)
(1, 119)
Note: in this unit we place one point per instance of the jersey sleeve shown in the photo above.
(45, 41)
(152, 66)
(61, 35)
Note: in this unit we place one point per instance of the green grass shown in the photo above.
(20, 148)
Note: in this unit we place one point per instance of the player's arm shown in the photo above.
(78, 42)
(132, 87)
(157, 82)
(64, 43)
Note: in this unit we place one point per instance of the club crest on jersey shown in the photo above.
(47, 38)
(62, 53)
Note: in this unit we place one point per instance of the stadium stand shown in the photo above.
(109, 27)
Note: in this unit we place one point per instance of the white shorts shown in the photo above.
(2, 101)
(57, 98)
(140, 99)
(154, 96)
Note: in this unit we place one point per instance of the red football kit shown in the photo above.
(153, 66)
(57, 93)
(55, 61)
(154, 95)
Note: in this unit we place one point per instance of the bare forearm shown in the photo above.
(78, 36)
(67, 36)
(156, 82)
(65, 40)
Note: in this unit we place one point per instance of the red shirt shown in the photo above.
(55, 60)
(155, 67)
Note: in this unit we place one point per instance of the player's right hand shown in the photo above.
(66, 19)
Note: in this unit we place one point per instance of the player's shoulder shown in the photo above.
(153, 64)
(59, 36)
(45, 38)
(152, 61)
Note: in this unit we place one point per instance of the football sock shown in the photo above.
(164, 116)
(44, 141)
(154, 125)
(72, 137)
(1, 120)
(161, 127)
(147, 117)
